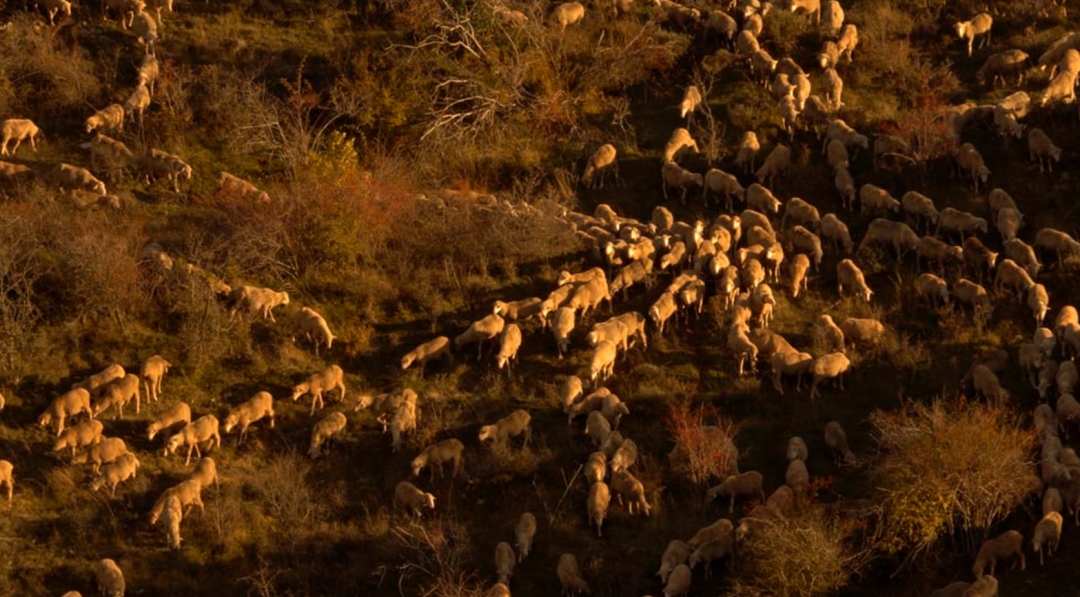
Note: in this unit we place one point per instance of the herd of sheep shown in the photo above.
(744, 257)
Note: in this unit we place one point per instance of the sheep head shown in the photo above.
(305, 387)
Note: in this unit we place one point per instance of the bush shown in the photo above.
(949, 467)
(703, 452)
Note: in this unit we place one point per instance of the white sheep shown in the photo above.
(679, 143)
(1005, 545)
(412, 498)
(313, 326)
(675, 554)
(1008, 223)
(252, 299)
(112, 474)
(323, 432)
(862, 331)
(231, 185)
(970, 162)
(978, 26)
(145, 28)
(86, 433)
(833, 88)
(404, 419)
(662, 310)
(796, 449)
(776, 164)
(690, 101)
(18, 130)
(602, 363)
(7, 477)
(438, 348)
(590, 295)
(509, 343)
(561, 328)
(103, 452)
(811, 7)
(601, 161)
(158, 164)
(254, 409)
(569, 573)
(188, 492)
(1002, 64)
(762, 65)
(836, 231)
(178, 413)
(68, 404)
(524, 532)
(1061, 87)
(938, 252)
(1040, 147)
(789, 362)
(71, 178)
(107, 119)
(1011, 275)
(716, 531)
(626, 485)
(743, 348)
(746, 484)
(832, 18)
(1047, 533)
(172, 515)
(1039, 302)
(151, 373)
(119, 392)
(840, 131)
(109, 578)
(480, 331)
(848, 274)
(836, 439)
(205, 473)
(596, 467)
(613, 409)
(963, 223)
(836, 154)
(325, 381)
(597, 505)
(985, 382)
(504, 561)
(830, 366)
(932, 288)
(761, 199)
(845, 186)
(678, 582)
(874, 199)
(137, 103)
(721, 183)
(624, 456)
(675, 176)
(149, 70)
(746, 155)
(572, 391)
(1055, 241)
(512, 425)
(567, 13)
(203, 429)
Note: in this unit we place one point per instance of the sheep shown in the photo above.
(1005, 545)
(720, 23)
(252, 299)
(18, 130)
(569, 574)
(498, 590)
(71, 178)
(86, 433)
(762, 65)
(662, 310)
(876, 199)
(801, 212)
(891, 147)
(105, 451)
(172, 515)
(109, 578)
(596, 467)
(613, 409)
(14, 172)
(984, 586)
(721, 183)
(484, 329)
(509, 343)
(970, 162)
(762, 200)
(601, 162)
(1008, 223)
(836, 231)
(1048, 533)
(112, 474)
(1061, 87)
(597, 505)
(436, 349)
(746, 155)
(108, 119)
(1013, 276)
(572, 391)
(848, 274)
(68, 404)
(796, 449)
(627, 277)
(985, 382)
(862, 331)
(205, 428)
(624, 456)
(678, 582)
(145, 28)
(1041, 147)
(512, 425)
(811, 7)
(675, 554)
(1058, 242)
(676, 176)
(329, 379)
(188, 492)
(314, 328)
(829, 366)
(597, 427)
(258, 406)
(746, 43)
(231, 185)
(836, 154)
(119, 392)
(1067, 377)
(7, 477)
(747, 484)
(504, 561)
(323, 432)
(151, 373)
(690, 101)
(149, 70)
(960, 222)
(797, 270)
(624, 484)
(933, 289)
(178, 413)
(797, 477)
(804, 241)
(158, 164)
(836, 439)
(745, 350)
(562, 326)
(524, 532)
(1052, 500)
(832, 18)
(412, 498)
(679, 143)
(137, 103)
(602, 364)
(978, 26)
(1039, 302)
(776, 164)
(942, 254)
(205, 473)
(839, 130)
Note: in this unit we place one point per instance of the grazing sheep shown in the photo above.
(439, 348)
(498, 590)
(963, 223)
(762, 200)
(329, 379)
(1042, 148)
(929, 287)
(679, 143)
(602, 364)
(789, 362)
(572, 392)
(797, 270)
(562, 327)
(188, 492)
(596, 467)
(152, 371)
(830, 366)
(18, 130)
(313, 327)
(178, 413)
(105, 451)
(942, 254)
(435, 455)
(836, 231)
(86, 433)
(624, 484)
(119, 392)
(797, 477)
(1008, 223)
(252, 299)
(675, 176)
(970, 162)
(675, 554)
(690, 101)
(1002, 64)
(68, 404)
(712, 551)
(108, 119)
(597, 505)
(112, 474)
(205, 473)
(743, 348)
(145, 28)
(762, 65)
(1039, 302)
(7, 477)
(890, 147)
(149, 69)
(1048, 533)
(1013, 276)
(678, 583)
(1005, 545)
(109, 578)
(718, 530)
(862, 331)
(601, 162)
(569, 574)
(509, 343)
(875, 199)
(662, 310)
(845, 186)
(624, 456)
(776, 164)
(158, 164)
(258, 406)
(597, 427)
(482, 330)
(504, 561)
(1057, 242)
(567, 13)
(172, 515)
(801, 212)
(747, 484)
(836, 154)
(796, 449)
(613, 409)
(74, 178)
(836, 439)
(804, 241)
(137, 102)
(978, 26)
(1061, 87)
(203, 429)
(985, 382)
(412, 499)
(721, 183)
(518, 310)
(848, 274)
(746, 155)
(524, 532)
(512, 425)
(231, 185)
(323, 432)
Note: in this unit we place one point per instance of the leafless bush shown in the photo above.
(704, 443)
(438, 557)
(42, 73)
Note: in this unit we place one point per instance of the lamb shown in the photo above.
(675, 554)
(676, 176)
(624, 484)
(152, 371)
(862, 331)
(876, 199)
(1039, 302)
(231, 185)
(258, 406)
(961, 222)
(437, 349)
(158, 164)
(1041, 147)
(412, 499)
(512, 425)
(7, 477)
(929, 287)
(109, 578)
(18, 130)
(108, 119)
(1005, 545)
(68, 404)
(747, 484)
(119, 392)
(978, 26)
(845, 186)
(72, 178)
(123, 468)
(178, 413)
(569, 574)
(203, 429)
(848, 274)
(103, 452)
(723, 184)
(746, 155)
(1048, 533)
(836, 231)
(524, 532)
(776, 164)
(678, 582)
(252, 299)
(86, 433)
(970, 162)
(172, 516)
(796, 449)
(137, 102)
(679, 143)
(597, 505)
(829, 366)
(323, 432)
(602, 364)
(1008, 223)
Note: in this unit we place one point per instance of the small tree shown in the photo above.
(703, 452)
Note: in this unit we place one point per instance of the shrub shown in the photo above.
(437, 556)
(947, 468)
(702, 452)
